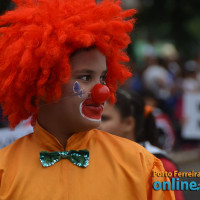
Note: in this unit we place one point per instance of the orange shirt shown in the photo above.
(118, 169)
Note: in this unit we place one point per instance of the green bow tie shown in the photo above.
(79, 158)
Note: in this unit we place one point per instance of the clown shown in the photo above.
(60, 60)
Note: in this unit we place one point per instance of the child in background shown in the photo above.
(60, 60)
(131, 119)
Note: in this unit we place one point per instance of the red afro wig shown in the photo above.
(37, 39)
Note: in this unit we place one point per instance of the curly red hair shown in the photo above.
(37, 39)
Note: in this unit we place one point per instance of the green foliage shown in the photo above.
(174, 20)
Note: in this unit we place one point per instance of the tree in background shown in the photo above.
(174, 20)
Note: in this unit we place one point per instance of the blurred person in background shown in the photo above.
(190, 81)
(131, 119)
(167, 139)
(186, 111)
(8, 136)
(156, 78)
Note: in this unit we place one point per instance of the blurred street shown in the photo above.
(187, 161)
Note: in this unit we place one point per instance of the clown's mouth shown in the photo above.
(91, 110)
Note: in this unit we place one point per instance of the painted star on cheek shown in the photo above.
(77, 89)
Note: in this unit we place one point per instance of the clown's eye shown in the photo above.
(103, 79)
(85, 77)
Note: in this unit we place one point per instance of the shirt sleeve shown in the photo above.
(158, 177)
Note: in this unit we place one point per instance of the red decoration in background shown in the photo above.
(100, 93)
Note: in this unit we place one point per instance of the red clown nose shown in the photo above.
(100, 93)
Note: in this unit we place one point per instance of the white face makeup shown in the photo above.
(88, 109)
(90, 118)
